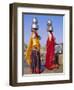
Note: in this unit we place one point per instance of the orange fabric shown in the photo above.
(34, 42)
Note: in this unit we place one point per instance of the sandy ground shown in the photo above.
(27, 70)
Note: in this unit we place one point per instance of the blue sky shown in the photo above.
(57, 22)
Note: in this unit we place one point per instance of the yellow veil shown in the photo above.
(28, 52)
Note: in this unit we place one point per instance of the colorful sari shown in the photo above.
(50, 52)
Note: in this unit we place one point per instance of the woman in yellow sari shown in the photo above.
(33, 51)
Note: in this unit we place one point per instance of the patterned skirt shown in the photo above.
(36, 62)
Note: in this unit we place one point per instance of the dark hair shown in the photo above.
(49, 31)
(34, 29)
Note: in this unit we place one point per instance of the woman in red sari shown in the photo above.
(50, 48)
